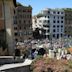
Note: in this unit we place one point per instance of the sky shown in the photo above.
(39, 5)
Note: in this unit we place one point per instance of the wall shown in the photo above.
(19, 69)
(8, 6)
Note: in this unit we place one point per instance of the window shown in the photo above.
(48, 11)
(30, 16)
(30, 32)
(48, 17)
(65, 14)
(44, 36)
(58, 17)
(61, 17)
(35, 21)
(27, 16)
(48, 30)
(15, 22)
(15, 28)
(23, 16)
(54, 26)
(15, 33)
(61, 30)
(65, 31)
(15, 17)
(20, 28)
(24, 21)
(20, 21)
(58, 26)
(54, 12)
(54, 17)
(61, 21)
(58, 12)
(39, 20)
(44, 21)
(57, 35)
(14, 11)
(16, 40)
(61, 12)
(30, 25)
(46, 25)
(53, 30)
(57, 30)
(61, 25)
(48, 21)
(29, 21)
(24, 11)
(61, 35)
(57, 21)
(19, 16)
(19, 10)
(53, 35)
(54, 21)
(44, 31)
(24, 33)
(48, 36)
(29, 10)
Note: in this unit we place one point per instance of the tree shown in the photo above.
(67, 9)
(36, 33)
(41, 51)
(39, 15)
(18, 4)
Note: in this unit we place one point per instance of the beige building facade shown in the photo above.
(22, 23)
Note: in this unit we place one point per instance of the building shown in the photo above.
(34, 22)
(51, 23)
(22, 23)
(68, 21)
(6, 24)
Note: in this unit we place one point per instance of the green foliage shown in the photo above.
(41, 51)
(36, 33)
(67, 9)
(39, 15)
(18, 4)
(39, 57)
(30, 6)
(70, 63)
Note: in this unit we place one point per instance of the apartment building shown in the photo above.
(6, 24)
(22, 23)
(68, 21)
(51, 22)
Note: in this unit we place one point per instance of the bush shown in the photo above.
(70, 64)
(66, 70)
(41, 51)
